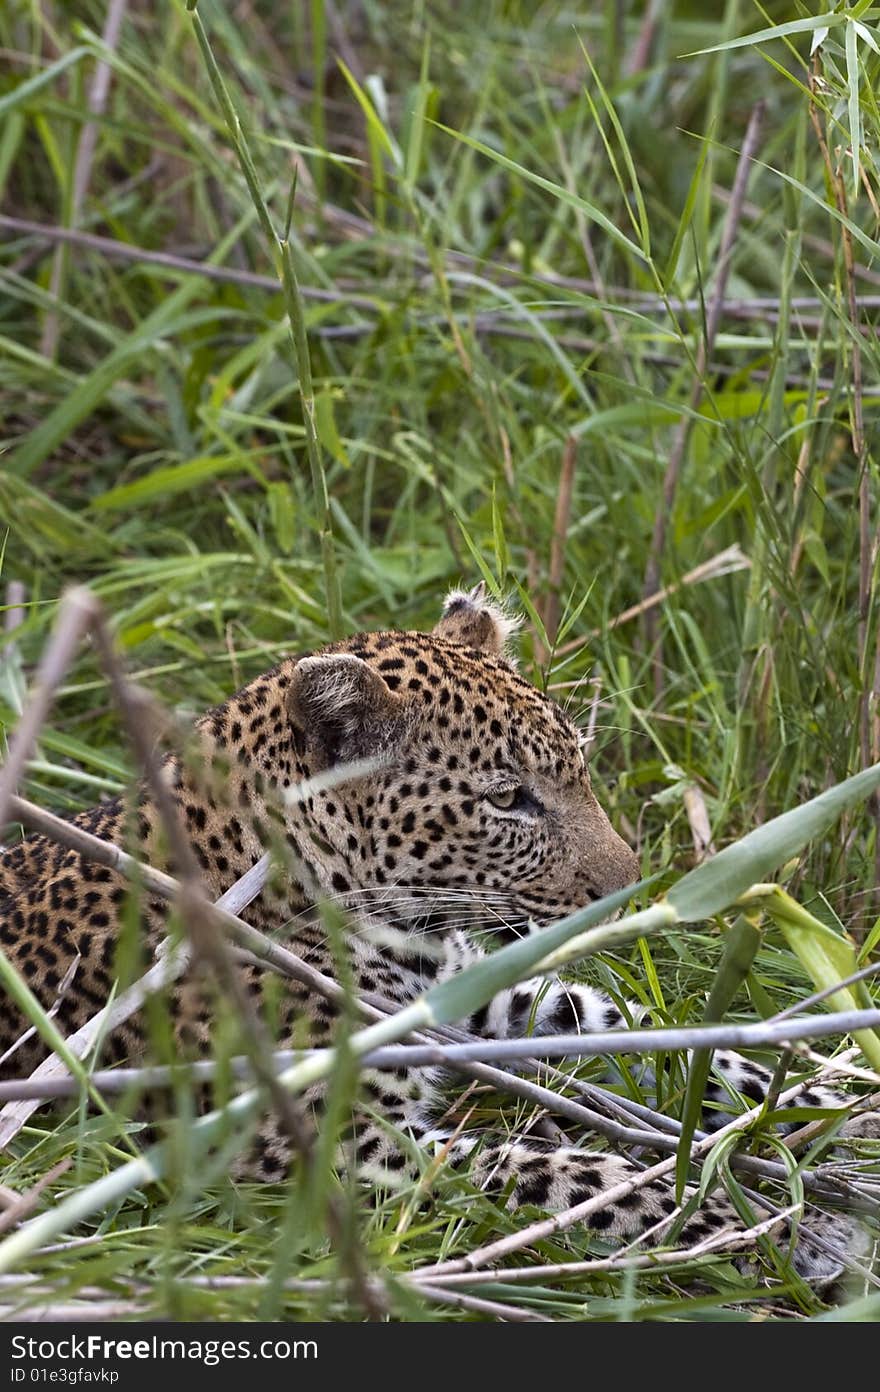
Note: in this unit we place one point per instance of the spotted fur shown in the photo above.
(478, 813)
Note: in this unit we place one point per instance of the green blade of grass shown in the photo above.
(23, 93)
(776, 31)
(741, 943)
(558, 191)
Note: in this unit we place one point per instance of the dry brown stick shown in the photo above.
(124, 251)
(347, 50)
(195, 911)
(752, 306)
(727, 561)
(603, 1043)
(640, 55)
(14, 616)
(561, 520)
(75, 614)
(713, 319)
(74, 1312)
(729, 1240)
(97, 100)
(60, 1084)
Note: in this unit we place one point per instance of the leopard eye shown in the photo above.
(506, 798)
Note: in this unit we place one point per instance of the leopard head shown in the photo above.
(479, 806)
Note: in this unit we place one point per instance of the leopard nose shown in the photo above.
(613, 865)
(628, 870)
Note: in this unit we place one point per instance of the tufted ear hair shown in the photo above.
(471, 619)
(342, 708)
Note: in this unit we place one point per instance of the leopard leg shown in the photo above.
(741, 1075)
(539, 1006)
(557, 1178)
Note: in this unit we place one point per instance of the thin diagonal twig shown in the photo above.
(75, 614)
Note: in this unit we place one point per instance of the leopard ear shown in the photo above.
(341, 708)
(471, 619)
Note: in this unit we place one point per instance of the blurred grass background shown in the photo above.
(508, 224)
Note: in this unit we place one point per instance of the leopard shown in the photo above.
(470, 816)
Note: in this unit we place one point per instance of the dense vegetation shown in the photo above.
(511, 223)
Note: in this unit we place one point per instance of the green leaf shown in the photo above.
(466, 992)
(687, 214)
(422, 95)
(482, 565)
(559, 191)
(502, 554)
(282, 511)
(375, 127)
(870, 942)
(640, 223)
(776, 31)
(828, 958)
(866, 36)
(740, 946)
(167, 481)
(859, 234)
